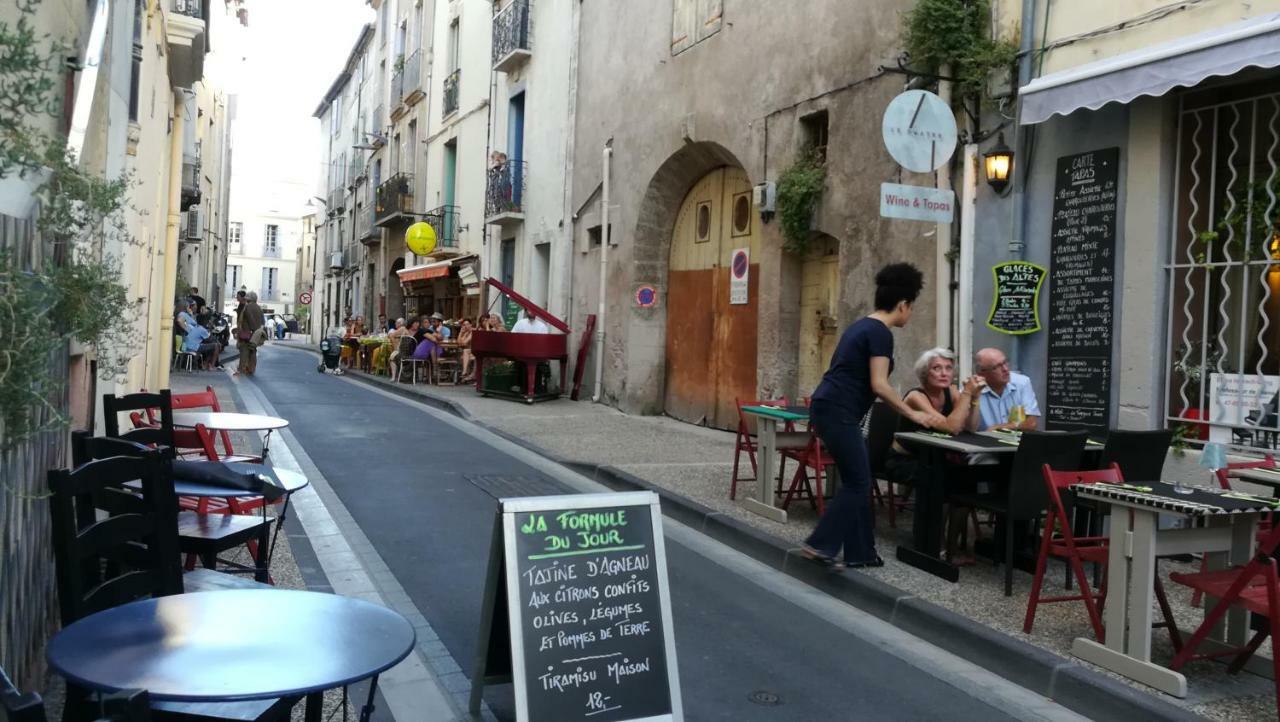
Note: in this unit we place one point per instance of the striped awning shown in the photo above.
(439, 269)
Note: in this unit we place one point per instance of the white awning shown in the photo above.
(1154, 71)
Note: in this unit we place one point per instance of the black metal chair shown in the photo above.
(882, 424)
(161, 435)
(1139, 454)
(127, 706)
(113, 545)
(1024, 498)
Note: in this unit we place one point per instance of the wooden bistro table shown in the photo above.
(288, 643)
(231, 421)
(1221, 526)
(771, 442)
(925, 551)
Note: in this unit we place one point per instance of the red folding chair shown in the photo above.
(1059, 541)
(746, 441)
(1224, 480)
(1254, 587)
(207, 399)
(813, 456)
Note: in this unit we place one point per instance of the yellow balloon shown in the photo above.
(420, 238)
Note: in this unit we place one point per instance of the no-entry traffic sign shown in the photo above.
(739, 282)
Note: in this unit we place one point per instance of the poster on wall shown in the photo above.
(1082, 252)
(1015, 304)
(1247, 402)
(739, 277)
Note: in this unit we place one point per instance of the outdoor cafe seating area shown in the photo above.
(1148, 575)
(162, 617)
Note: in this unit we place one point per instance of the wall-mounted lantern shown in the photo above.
(998, 162)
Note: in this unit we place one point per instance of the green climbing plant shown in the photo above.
(76, 293)
(1250, 225)
(799, 191)
(956, 33)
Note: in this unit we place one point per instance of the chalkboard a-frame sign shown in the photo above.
(577, 610)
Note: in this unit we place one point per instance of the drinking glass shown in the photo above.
(1213, 457)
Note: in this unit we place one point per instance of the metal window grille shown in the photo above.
(1223, 360)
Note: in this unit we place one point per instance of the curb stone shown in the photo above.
(1072, 685)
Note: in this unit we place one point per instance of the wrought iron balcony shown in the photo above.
(378, 126)
(511, 37)
(335, 261)
(504, 193)
(445, 220)
(411, 79)
(366, 232)
(355, 173)
(186, 36)
(190, 179)
(393, 201)
(336, 200)
(451, 92)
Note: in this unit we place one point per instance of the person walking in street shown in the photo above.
(252, 322)
(859, 373)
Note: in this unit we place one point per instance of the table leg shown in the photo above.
(1118, 654)
(263, 573)
(367, 711)
(266, 444)
(315, 707)
(1142, 576)
(284, 513)
(926, 531)
(763, 504)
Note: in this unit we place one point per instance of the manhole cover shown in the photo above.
(764, 698)
(501, 485)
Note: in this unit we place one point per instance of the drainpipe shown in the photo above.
(605, 157)
(1017, 245)
(170, 256)
(942, 245)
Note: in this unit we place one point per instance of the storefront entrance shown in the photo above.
(710, 342)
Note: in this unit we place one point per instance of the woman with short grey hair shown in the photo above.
(937, 392)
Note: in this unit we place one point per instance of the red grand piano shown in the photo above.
(527, 348)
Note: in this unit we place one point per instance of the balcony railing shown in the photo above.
(504, 192)
(445, 220)
(355, 173)
(190, 178)
(451, 92)
(336, 199)
(393, 200)
(190, 8)
(511, 36)
(378, 126)
(335, 260)
(397, 86)
(366, 231)
(411, 78)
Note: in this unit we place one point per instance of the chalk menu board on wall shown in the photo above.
(577, 612)
(1082, 290)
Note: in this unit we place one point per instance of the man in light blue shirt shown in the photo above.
(1004, 392)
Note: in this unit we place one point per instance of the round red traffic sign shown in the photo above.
(740, 264)
(304, 297)
(646, 296)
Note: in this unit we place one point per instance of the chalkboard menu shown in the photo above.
(1015, 306)
(579, 593)
(1082, 289)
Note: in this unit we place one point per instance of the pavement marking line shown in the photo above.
(411, 689)
(942, 665)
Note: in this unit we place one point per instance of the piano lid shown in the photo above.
(530, 306)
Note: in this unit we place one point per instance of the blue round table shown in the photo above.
(234, 645)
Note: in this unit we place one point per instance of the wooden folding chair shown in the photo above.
(746, 441)
(813, 456)
(1224, 480)
(127, 706)
(1060, 542)
(207, 399)
(1254, 587)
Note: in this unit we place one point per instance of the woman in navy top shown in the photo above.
(859, 373)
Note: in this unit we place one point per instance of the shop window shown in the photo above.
(815, 128)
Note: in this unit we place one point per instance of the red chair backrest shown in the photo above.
(1224, 475)
(206, 399)
(1056, 481)
(744, 425)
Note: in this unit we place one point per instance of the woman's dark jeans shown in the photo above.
(848, 521)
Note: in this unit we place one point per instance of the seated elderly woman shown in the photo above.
(937, 391)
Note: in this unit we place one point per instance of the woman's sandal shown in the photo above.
(814, 555)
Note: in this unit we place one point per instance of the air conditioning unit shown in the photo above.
(335, 260)
(193, 228)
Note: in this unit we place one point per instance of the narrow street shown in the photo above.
(422, 486)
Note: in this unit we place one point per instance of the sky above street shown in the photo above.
(293, 50)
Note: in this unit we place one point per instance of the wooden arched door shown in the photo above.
(711, 342)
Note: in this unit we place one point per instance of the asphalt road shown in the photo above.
(413, 483)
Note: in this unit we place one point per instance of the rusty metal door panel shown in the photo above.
(690, 331)
(734, 351)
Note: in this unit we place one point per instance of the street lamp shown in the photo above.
(998, 162)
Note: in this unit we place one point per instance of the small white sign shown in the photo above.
(917, 203)
(1241, 400)
(739, 273)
